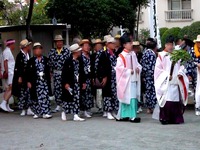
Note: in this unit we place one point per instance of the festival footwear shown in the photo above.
(135, 120)
(109, 116)
(47, 116)
(57, 109)
(104, 114)
(164, 122)
(123, 119)
(86, 114)
(63, 116)
(23, 113)
(30, 112)
(77, 118)
(35, 117)
(3, 106)
(9, 109)
(139, 110)
(114, 115)
(197, 113)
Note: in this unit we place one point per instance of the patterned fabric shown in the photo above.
(112, 103)
(148, 62)
(24, 99)
(42, 105)
(56, 64)
(87, 97)
(74, 107)
(191, 67)
(98, 54)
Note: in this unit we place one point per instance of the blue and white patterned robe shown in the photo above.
(56, 62)
(148, 62)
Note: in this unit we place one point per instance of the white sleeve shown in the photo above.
(6, 55)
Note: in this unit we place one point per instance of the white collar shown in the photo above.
(27, 55)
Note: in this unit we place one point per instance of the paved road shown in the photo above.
(25, 133)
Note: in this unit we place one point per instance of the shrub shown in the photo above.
(173, 31)
(194, 30)
(162, 31)
(184, 31)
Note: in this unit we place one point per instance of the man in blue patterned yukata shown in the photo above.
(87, 101)
(57, 57)
(193, 72)
(148, 62)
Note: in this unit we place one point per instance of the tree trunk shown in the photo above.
(138, 20)
(28, 21)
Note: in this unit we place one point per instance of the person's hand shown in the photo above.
(29, 85)
(179, 76)
(170, 78)
(5, 75)
(84, 86)
(137, 70)
(20, 80)
(104, 81)
(132, 72)
(190, 78)
(67, 86)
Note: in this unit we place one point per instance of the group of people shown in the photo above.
(114, 75)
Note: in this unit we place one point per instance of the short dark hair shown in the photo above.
(152, 44)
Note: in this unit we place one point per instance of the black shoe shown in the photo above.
(136, 120)
(123, 119)
(164, 122)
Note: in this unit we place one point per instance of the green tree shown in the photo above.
(94, 17)
(12, 15)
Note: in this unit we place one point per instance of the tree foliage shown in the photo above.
(15, 13)
(95, 17)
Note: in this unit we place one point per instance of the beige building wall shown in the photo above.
(162, 7)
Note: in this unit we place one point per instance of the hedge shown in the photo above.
(194, 30)
(173, 31)
(184, 31)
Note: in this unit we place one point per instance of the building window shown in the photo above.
(179, 10)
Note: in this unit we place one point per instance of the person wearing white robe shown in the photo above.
(171, 87)
(128, 84)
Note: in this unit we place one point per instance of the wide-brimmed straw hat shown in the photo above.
(58, 38)
(136, 43)
(117, 36)
(84, 41)
(37, 44)
(111, 40)
(98, 41)
(24, 43)
(198, 39)
(106, 38)
(75, 48)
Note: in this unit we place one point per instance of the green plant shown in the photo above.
(184, 31)
(162, 31)
(173, 31)
(181, 55)
(143, 35)
(194, 30)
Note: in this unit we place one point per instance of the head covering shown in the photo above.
(125, 39)
(84, 41)
(117, 36)
(170, 39)
(58, 38)
(136, 43)
(98, 41)
(198, 39)
(37, 44)
(177, 47)
(24, 43)
(9, 42)
(75, 48)
(110, 40)
(106, 37)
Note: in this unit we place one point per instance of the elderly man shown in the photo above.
(8, 72)
(57, 57)
(20, 89)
